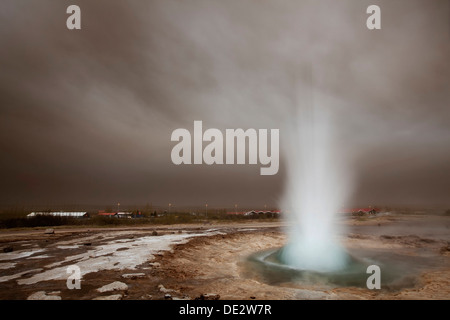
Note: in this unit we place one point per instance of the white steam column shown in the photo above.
(317, 188)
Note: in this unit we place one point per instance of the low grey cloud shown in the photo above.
(86, 115)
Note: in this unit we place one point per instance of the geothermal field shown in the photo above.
(141, 140)
(226, 261)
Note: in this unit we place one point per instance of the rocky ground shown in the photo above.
(210, 261)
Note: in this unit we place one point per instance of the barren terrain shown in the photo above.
(210, 261)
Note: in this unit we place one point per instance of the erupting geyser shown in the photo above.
(317, 188)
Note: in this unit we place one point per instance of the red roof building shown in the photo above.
(107, 214)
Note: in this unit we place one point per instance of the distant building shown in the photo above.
(360, 211)
(107, 214)
(256, 213)
(124, 214)
(59, 214)
(118, 214)
(260, 213)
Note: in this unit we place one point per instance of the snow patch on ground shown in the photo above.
(42, 256)
(68, 247)
(115, 286)
(18, 275)
(19, 254)
(7, 265)
(42, 295)
(114, 255)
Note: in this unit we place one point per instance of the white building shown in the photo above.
(124, 214)
(59, 214)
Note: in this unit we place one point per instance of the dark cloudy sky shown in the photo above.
(86, 115)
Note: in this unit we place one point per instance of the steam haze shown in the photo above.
(86, 115)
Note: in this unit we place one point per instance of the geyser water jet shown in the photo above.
(316, 190)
